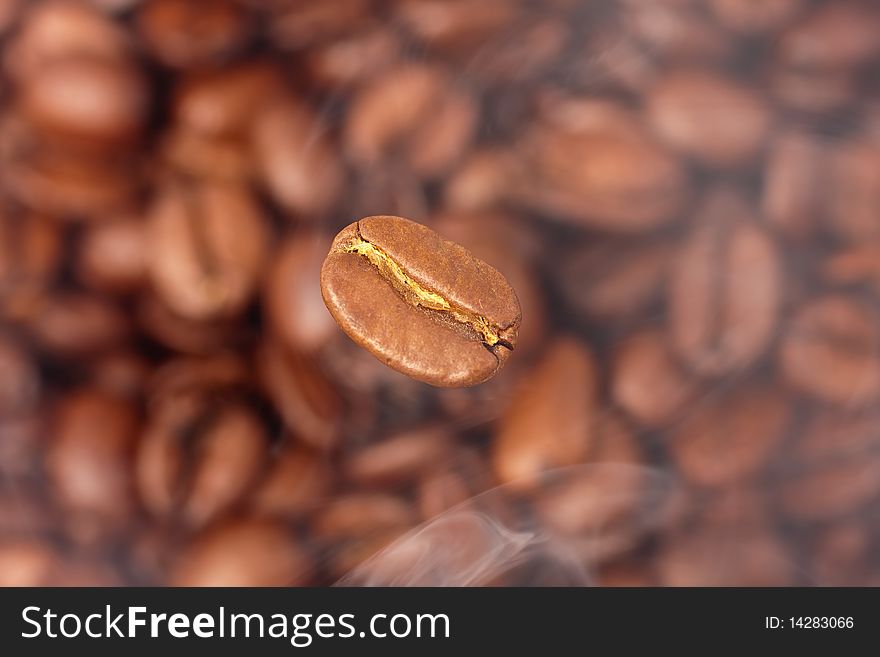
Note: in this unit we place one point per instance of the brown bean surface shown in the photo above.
(421, 304)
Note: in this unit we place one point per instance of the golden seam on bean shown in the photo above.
(423, 297)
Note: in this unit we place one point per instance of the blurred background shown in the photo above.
(685, 195)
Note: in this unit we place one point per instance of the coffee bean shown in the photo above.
(208, 246)
(299, 482)
(577, 177)
(303, 394)
(749, 17)
(87, 101)
(88, 461)
(829, 351)
(113, 255)
(647, 382)
(187, 33)
(295, 157)
(401, 457)
(422, 305)
(714, 119)
(292, 294)
(725, 288)
(416, 110)
(243, 552)
(745, 425)
(549, 423)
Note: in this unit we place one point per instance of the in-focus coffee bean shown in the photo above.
(419, 303)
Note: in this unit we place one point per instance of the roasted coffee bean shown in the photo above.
(725, 558)
(854, 191)
(422, 305)
(750, 17)
(298, 482)
(578, 176)
(113, 255)
(614, 279)
(196, 460)
(359, 515)
(715, 120)
(188, 33)
(19, 378)
(245, 552)
(296, 25)
(208, 247)
(303, 394)
(830, 351)
(292, 293)
(833, 35)
(295, 157)
(647, 381)
(830, 490)
(58, 29)
(550, 420)
(416, 110)
(401, 457)
(794, 185)
(346, 61)
(746, 425)
(679, 31)
(78, 324)
(725, 288)
(30, 256)
(88, 462)
(86, 101)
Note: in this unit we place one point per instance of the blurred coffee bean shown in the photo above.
(185, 335)
(296, 24)
(295, 157)
(54, 30)
(712, 558)
(716, 120)
(833, 35)
(416, 111)
(88, 462)
(30, 256)
(613, 279)
(646, 380)
(292, 293)
(455, 25)
(549, 422)
(854, 191)
(85, 101)
(829, 490)
(678, 30)
(829, 350)
(746, 425)
(400, 457)
(62, 182)
(189, 33)
(596, 179)
(794, 185)
(749, 17)
(27, 562)
(195, 462)
(345, 61)
(19, 378)
(122, 373)
(303, 395)
(113, 255)
(360, 515)
(77, 324)
(480, 181)
(298, 482)
(208, 247)
(725, 288)
(245, 552)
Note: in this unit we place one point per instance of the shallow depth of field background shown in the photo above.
(685, 195)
